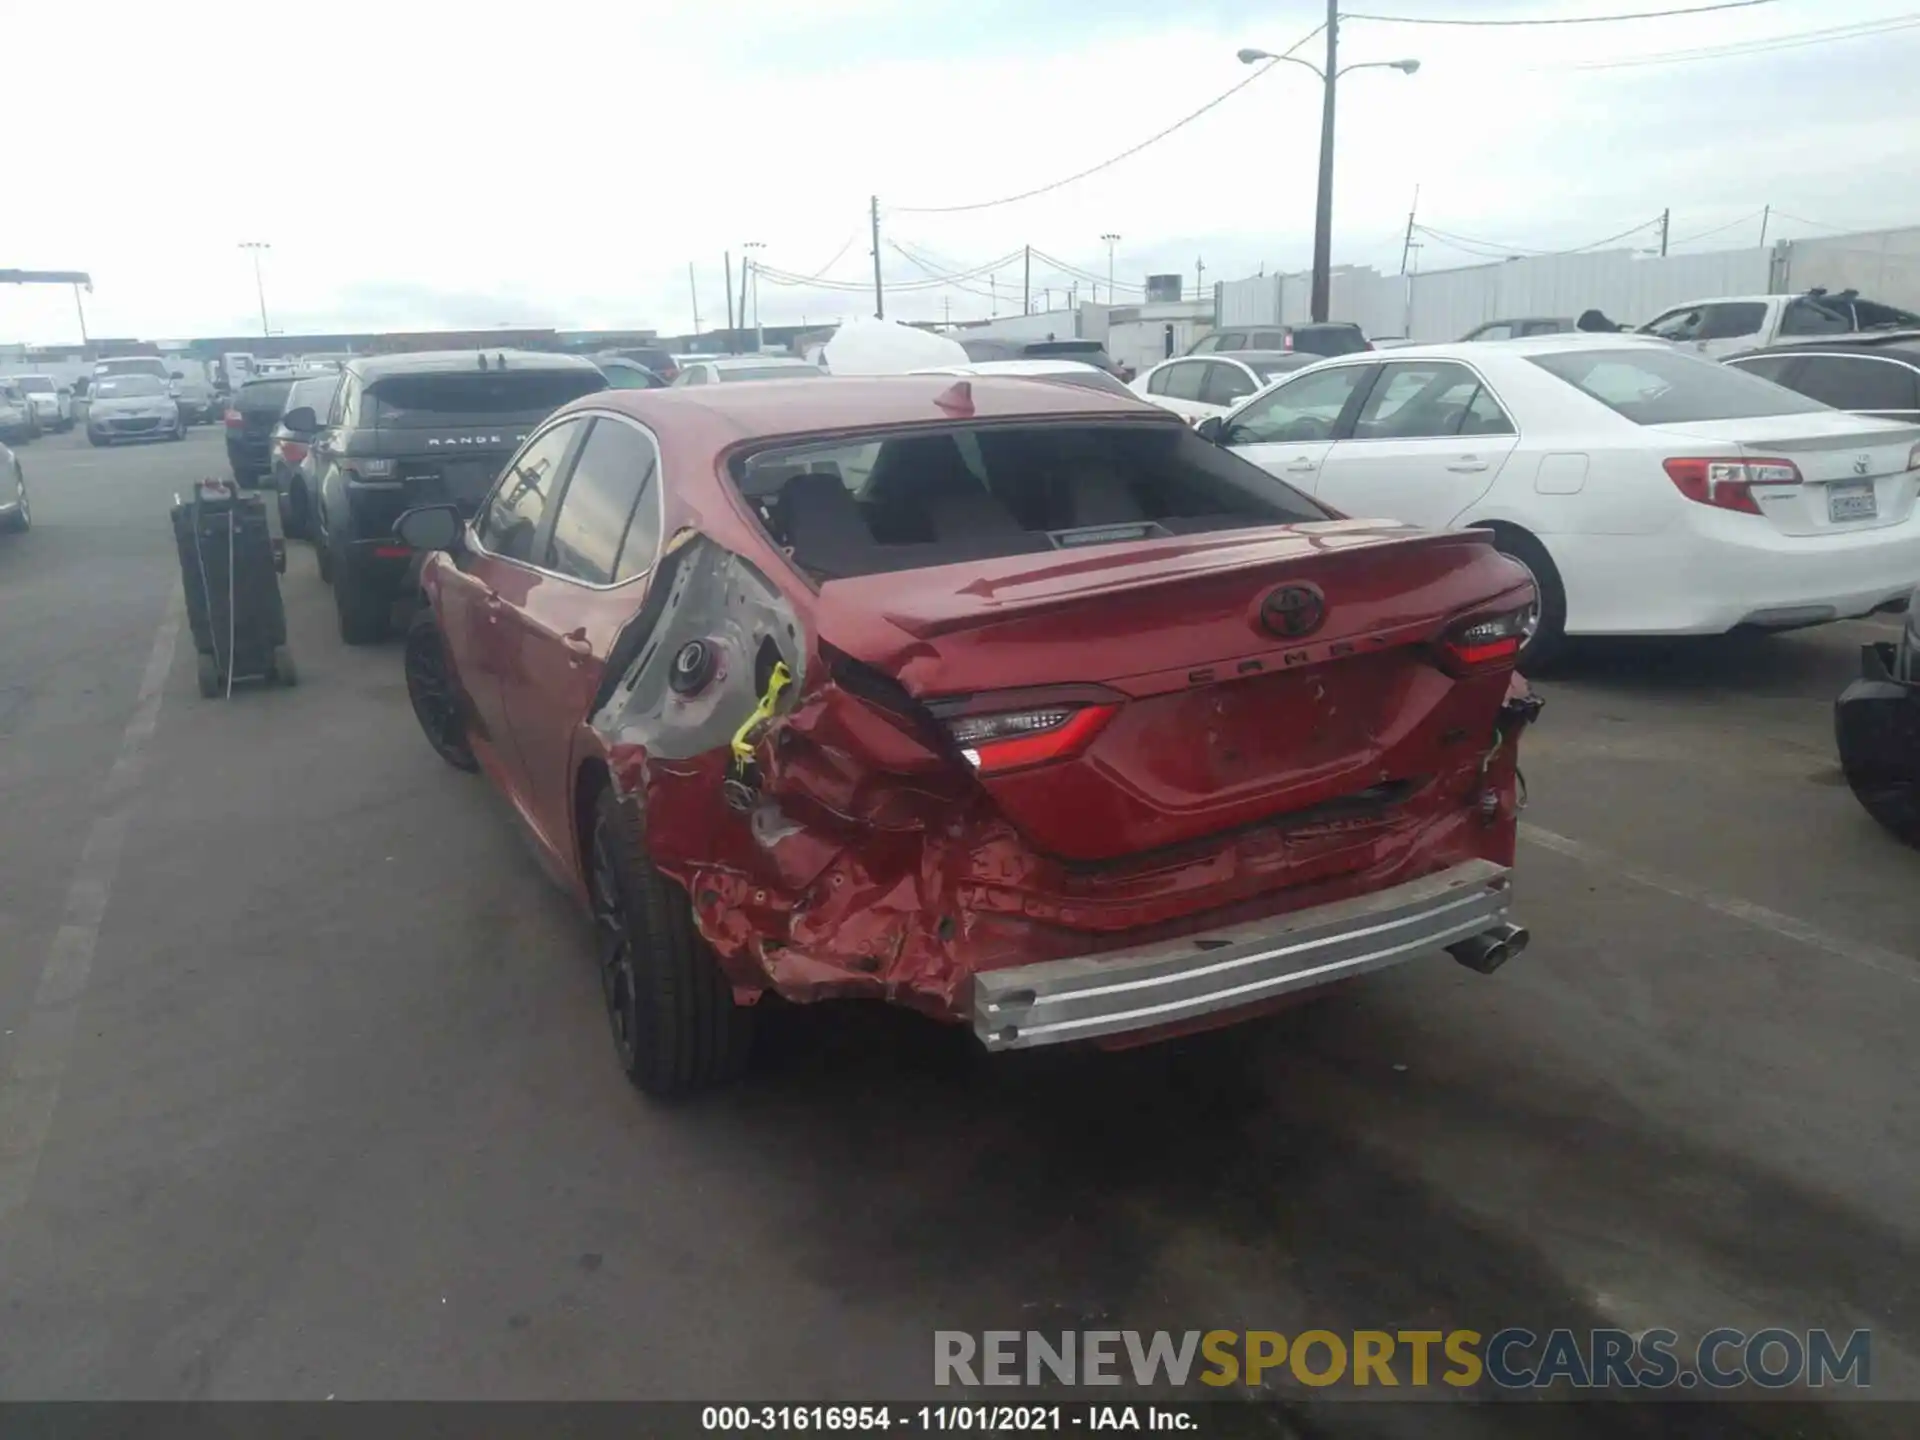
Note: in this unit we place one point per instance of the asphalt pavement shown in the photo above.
(308, 1092)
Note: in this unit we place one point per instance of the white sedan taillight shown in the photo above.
(1728, 484)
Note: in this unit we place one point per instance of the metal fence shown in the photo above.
(1628, 286)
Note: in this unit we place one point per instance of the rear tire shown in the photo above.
(93, 439)
(293, 520)
(21, 520)
(676, 1026)
(1894, 803)
(364, 613)
(434, 693)
(1549, 639)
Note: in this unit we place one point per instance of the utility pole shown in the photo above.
(1046, 299)
(946, 310)
(1112, 240)
(1666, 221)
(753, 265)
(993, 297)
(81, 310)
(727, 258)
(879, 293)
(1323, 202)
(746, 266)
(1406, 246)
(693, 287)
(1199, 278)
(259, 286)
(1073, 295)
(1765, 216)
(1026, 284)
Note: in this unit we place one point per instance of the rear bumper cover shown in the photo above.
(1174, 982)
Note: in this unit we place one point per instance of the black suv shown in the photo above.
(252, 412)
(427, 428)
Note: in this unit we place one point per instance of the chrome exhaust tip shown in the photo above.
(1489, 950)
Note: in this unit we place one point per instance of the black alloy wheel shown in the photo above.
(430, 688)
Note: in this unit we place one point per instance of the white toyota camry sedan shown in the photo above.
(1650, 491)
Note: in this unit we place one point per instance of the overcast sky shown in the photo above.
(416, 165)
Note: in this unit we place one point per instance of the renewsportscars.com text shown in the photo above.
(1512, 1358)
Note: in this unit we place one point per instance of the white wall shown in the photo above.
(1882, 265)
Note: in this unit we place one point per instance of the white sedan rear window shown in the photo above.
(1652, 386)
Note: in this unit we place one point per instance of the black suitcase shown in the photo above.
(230, 564)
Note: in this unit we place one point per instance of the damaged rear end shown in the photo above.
(1074, 729)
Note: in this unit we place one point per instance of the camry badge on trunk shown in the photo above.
(1293, 611)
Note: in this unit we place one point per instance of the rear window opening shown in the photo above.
(1651, 385)
(452, 397)
(873, 505)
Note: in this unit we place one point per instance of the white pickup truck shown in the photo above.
(1732, 323)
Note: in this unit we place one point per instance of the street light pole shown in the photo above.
(750, 247)
(1323, 199)
(1112, 240)
(1323, 204)
(259, 286)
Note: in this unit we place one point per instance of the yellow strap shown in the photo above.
(763, 712)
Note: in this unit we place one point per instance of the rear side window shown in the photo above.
(1669, 387)
(1803, 317)
(607, 526)
(1329, 339)
(862, 506)
(1184, 381)
(1226, 383)
(513, 513)
(264, 395)
(1861, 382)
(456, 397)
(1767, 367)
(317, 394)
(1730, 322)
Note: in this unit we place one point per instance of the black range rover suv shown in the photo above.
(420, 429)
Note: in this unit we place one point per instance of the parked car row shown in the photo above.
(32, 406)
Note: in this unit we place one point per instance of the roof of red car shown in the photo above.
(746, 409)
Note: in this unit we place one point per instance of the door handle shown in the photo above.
(577, 644)
(1302, 464)
(1466, 465)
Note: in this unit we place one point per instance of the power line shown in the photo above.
(1564, 19)
(1076, 273)
(1495, 250)
(1794, 41)
(920, 264)
(1123, 155)
(1802, 220)
(1719, 229)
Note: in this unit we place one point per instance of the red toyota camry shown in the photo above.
(1015, 702)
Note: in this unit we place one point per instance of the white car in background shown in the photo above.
(1648, 490)
(1202, 386)
(731, 368)
(49, 400)
(1065, 372)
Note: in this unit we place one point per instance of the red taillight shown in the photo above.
(1487, 642)
(391, 552)
(995, 744)
(292, 451)
(1728, 484)
(234, 420)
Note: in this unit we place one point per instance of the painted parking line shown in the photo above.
(1872, 957)
(37, 1064)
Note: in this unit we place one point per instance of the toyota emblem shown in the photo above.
(1861, 465)
(1293, 611)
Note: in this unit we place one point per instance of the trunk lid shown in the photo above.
(1216, 720)
(1854, 472)
(451, 464)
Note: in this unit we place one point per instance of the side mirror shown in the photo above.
(1213, 429)
(430, 527)
(302, 419)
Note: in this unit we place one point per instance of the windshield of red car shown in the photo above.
(869, 505)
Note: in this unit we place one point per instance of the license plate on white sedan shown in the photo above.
(1850, 502)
